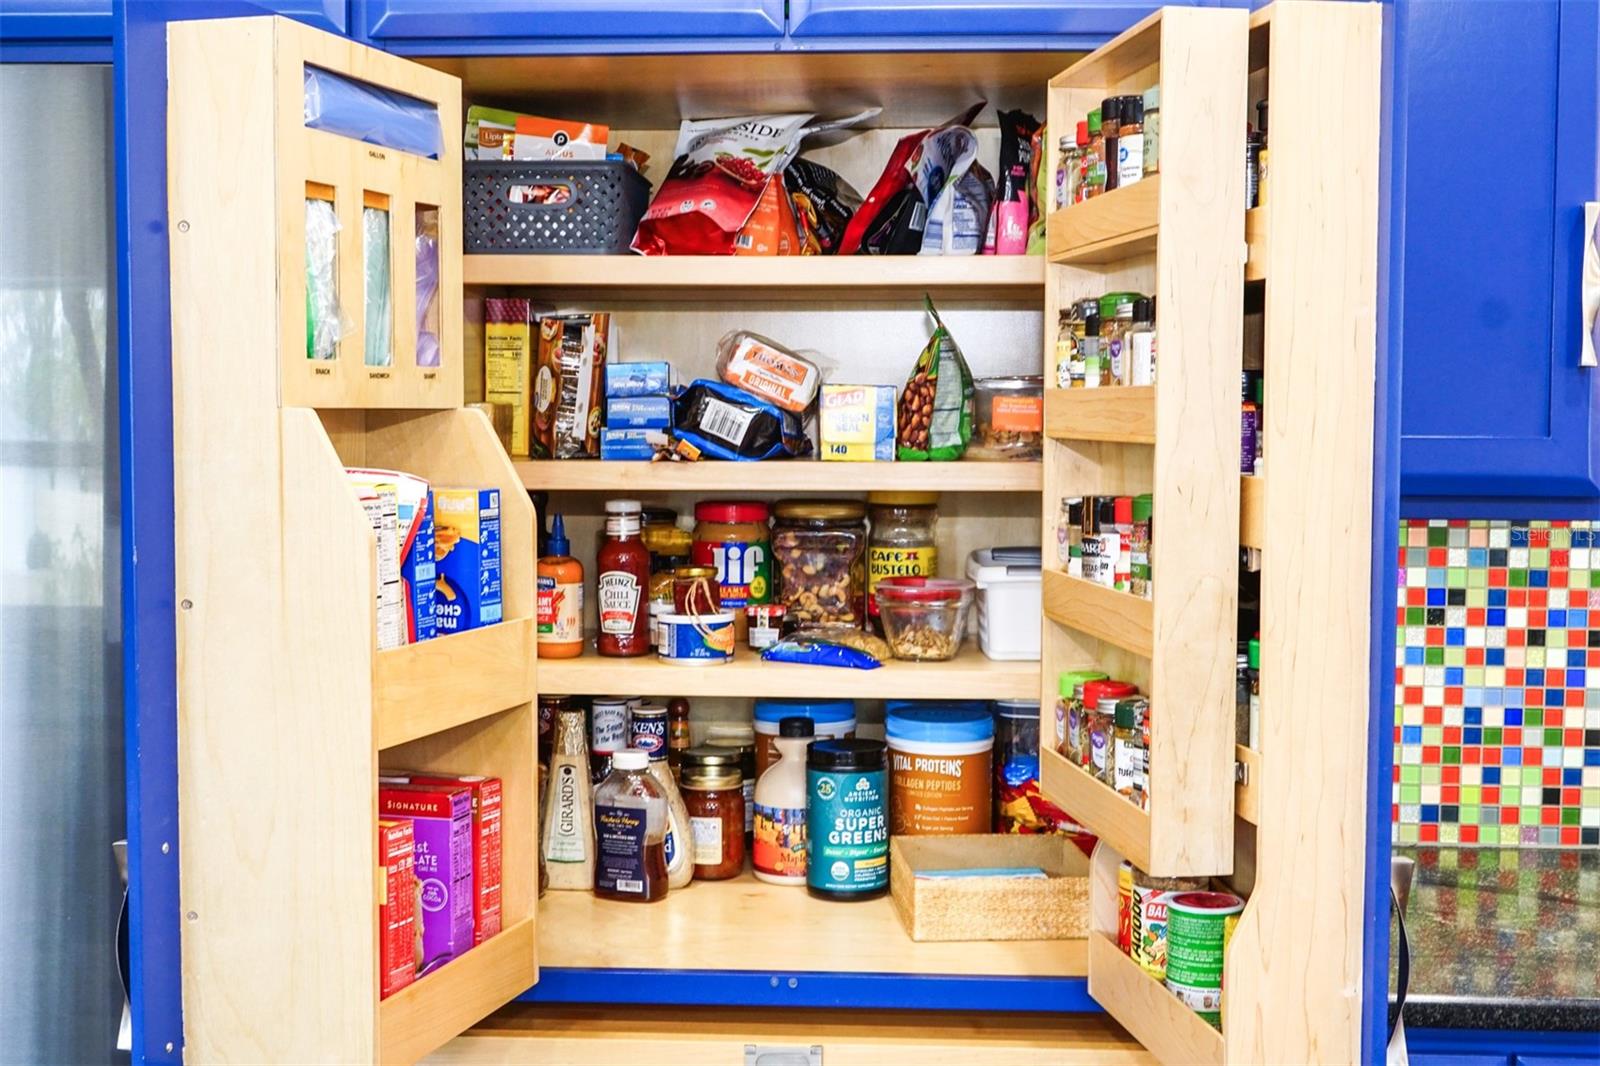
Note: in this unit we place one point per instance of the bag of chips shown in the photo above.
(728, 423)
(888, 222)
(934, 420)
(823, 205)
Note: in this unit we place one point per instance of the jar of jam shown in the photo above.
(732, 537)
(713, 788)
(819, 548)
(695, 590)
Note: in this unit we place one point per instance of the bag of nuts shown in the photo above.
(935, 416)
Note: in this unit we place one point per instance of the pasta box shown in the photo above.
(989, 886)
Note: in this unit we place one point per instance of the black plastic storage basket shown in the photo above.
(599, 206)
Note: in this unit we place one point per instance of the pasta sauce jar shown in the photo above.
(713, 789)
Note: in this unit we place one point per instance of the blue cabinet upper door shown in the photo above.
(555, 25)
(968, 23)
(1494, 155)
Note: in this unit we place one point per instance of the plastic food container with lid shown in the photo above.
(830, 718)
(939, 767)
(1008, 420)
(1008, 582)
(924, 618)
(819, 557)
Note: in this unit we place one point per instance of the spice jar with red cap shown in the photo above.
(732, 536)
(1100, 709)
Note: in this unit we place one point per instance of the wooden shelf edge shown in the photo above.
(1125, 414)
(1154, 1016)
(1133, 49)
(1113, 226)
(439, 684)
(675, 276)
(435, 1009)
(790, 475)
(1119, 618)
(1247, 793)
(970, 675)
(1252, 511)
(1122, 826)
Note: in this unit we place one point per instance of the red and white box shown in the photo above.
(486, 847)
(399, 945)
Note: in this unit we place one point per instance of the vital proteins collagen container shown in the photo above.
(939, 767)
(847, 819)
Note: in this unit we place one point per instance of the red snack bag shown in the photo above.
(896, 177)
(770, 229)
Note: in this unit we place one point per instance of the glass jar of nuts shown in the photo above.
(819, 551)
(1009, 421)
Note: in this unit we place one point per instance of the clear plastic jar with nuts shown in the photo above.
(819, 550)
(1009, 421)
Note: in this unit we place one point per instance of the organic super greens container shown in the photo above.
(847, 819)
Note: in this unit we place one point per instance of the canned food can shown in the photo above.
(1125, 907)
(608, 724)
(697, 640)
(1199, 926)
(650, 730)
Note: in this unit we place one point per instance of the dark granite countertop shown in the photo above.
(1504, 938)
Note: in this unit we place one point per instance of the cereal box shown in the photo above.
(379, 503)
(486, 836)
(441, 825)
(856, 423)
(508, 362)
(631, 443)
(414, 516)
(466, 546)
(399, 950)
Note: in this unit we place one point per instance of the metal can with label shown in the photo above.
(609, 731)
(1147, 913)
(1199, 926)
(649, 729)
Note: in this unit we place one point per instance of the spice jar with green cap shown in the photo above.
(1139, 577)
(1071, 735)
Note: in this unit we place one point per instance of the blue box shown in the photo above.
(638, 412)
(630, 443)
(466, 584)
(638, 379)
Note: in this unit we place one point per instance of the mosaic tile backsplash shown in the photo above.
(1497, 684)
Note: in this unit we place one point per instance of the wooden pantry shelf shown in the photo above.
(769, 277)
(792, 475)
(1113, 226)
(718, 925)
(970, 675)
(1124, 414)
(1123, 826)
(438, 684)
(1247, 793)
(1252, 511)
(1154, 1016)
(1255, 239)
(1119, 618)
(434, 1009)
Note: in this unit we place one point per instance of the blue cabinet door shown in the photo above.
(973, 24)
(1494, 155)
(562, 25)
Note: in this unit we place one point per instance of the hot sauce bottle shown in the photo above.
(624, 576)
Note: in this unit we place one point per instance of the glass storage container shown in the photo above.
(819, 549)
(1009, 419)
(925, 618)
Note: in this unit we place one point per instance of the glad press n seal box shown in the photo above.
(466, 592)
(441, 825)
(856, 423)
(414, 533)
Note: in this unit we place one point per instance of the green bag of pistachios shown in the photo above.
(934, 418)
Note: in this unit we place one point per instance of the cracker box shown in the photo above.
(508, 362)
(631, 443)
(399, 949)
(638, 379)
(856, 423)
(638, 412)
(441, 826)
(379, 501)
(486, 836)
(466, 545)
(414, 516)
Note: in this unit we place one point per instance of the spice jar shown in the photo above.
(820, 548)
(1129, 756)
(1072, 735)
(695, 591)
(1116, 323)
(1152, 130)
(732, 536)
(1130, 141)
(1010, 418)
(1100, 709)
(713, 790)
(903, 542)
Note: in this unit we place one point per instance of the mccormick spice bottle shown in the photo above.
(624, 576)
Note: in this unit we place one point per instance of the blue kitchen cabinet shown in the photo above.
(462, 27)
(965, 23)
(1494, 155)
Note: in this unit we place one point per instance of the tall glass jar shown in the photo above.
(903, 542)
(819, 548)
(713, 790)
